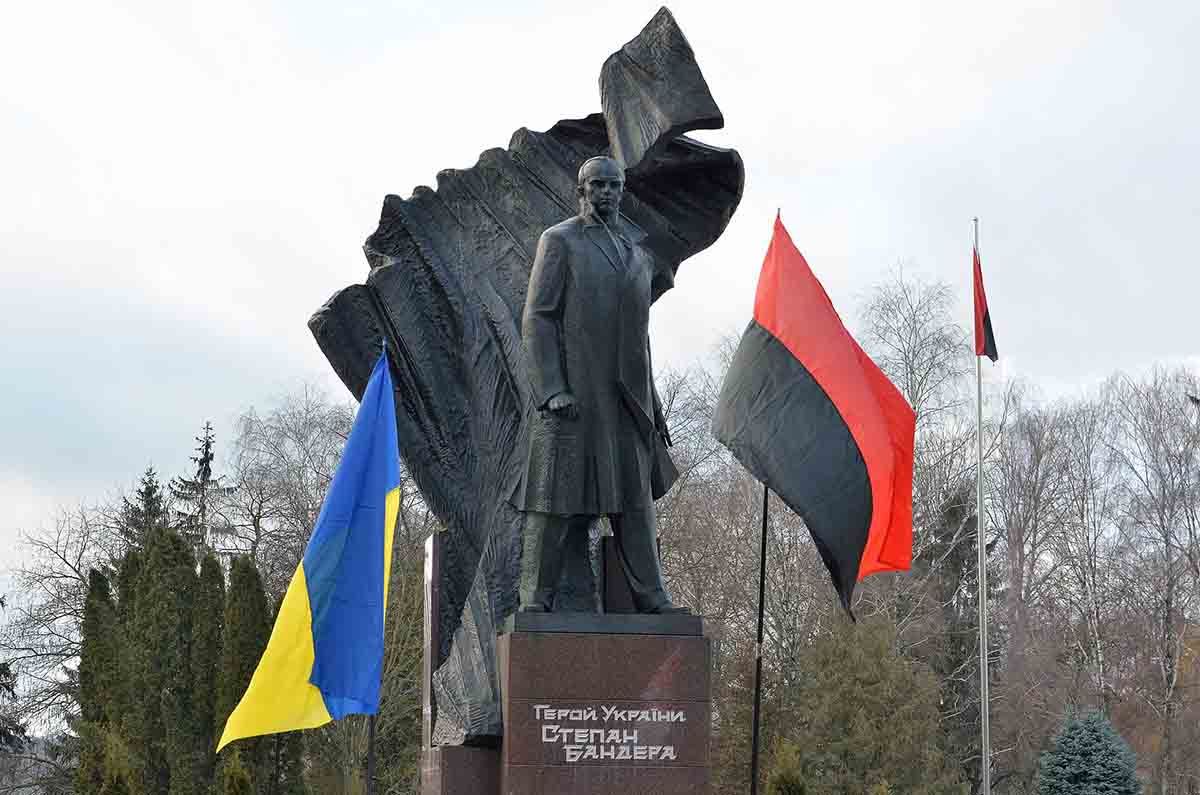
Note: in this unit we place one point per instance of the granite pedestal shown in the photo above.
(612, 702)
(625, 710)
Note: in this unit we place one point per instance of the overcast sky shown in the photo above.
(184, 183)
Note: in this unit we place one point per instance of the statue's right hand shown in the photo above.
(563, 404)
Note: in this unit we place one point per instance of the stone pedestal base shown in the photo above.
(604, 713)
(459, 770)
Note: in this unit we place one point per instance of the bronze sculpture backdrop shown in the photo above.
(448, 275)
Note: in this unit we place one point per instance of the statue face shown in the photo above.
(601, 186)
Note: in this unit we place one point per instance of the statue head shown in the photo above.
(599, 188)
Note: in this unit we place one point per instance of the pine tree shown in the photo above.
(208, 627)
(98, 680)
(1088, 757)
(197, 491)
(145, 513)
(247, 630)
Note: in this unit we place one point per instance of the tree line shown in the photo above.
(138, 624)
(134, 626)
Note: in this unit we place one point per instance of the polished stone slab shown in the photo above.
(460, 770)
(609, 623)
(539, 780)
(588, 712)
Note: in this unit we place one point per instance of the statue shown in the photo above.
(447, 286)
(597, 443)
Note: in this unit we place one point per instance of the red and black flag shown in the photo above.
(812, 417)
(985, 340)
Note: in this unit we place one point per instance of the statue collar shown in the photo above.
(625, 231)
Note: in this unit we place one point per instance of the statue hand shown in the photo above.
(563, 404)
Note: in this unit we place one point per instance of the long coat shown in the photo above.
(586, 331)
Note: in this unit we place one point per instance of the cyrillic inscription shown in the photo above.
(583, 743)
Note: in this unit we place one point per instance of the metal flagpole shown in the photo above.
(981, 541)
(762, 589)
(371, 755)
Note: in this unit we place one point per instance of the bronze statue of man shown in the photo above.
(598, 439)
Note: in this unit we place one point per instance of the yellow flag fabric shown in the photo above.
(324, 659)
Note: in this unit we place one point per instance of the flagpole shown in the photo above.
(371, 755)
(371, 718)
(981, 542)
(762, 588)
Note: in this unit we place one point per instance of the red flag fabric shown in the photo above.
(985, 340)
(808, 413)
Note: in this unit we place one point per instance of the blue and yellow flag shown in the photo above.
(325, 656)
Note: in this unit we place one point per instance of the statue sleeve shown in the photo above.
(660, 420)
(542, 324)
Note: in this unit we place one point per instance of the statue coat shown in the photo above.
(585, 330)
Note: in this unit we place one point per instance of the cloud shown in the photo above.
(186, 183)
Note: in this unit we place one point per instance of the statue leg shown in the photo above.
(543, 543)
(578, 589)
(637, 547)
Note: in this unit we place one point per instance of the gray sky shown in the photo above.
(184, 183)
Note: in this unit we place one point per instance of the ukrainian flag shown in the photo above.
(325, 656)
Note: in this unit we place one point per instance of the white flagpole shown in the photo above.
(981, 540)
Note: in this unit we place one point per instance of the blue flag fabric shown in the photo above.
(325, 656)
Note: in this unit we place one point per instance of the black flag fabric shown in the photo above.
(815, 419)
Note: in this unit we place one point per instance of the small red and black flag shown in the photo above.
(985, 340)
(812, 417)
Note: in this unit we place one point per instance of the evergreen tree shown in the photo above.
(208, 627)
(285, 757)
(950, 567)
(12, 731)
(197, 491)
(1088, 757)
(247, 630)
(864, 715)
(98, 680)
(786, 778)
(97, 660)
(285, 764)
(235, 779)
(160, 728)
(184, 746)
(146, 512)
(128, 574)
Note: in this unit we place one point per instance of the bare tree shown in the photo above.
(1027, 510)
(1157, 448)
(1086, 547)
(40, 639)
(280, 467)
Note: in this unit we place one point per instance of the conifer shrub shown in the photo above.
(786, 777)
(1088, 757)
